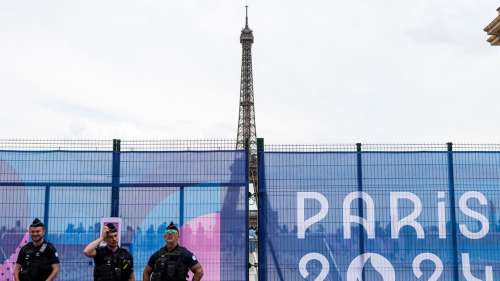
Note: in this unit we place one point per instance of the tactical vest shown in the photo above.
(35, 265)
(115, 267)
(169, 266)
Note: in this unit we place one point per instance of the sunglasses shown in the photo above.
(171, 231)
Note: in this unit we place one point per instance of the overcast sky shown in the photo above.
(379, 71)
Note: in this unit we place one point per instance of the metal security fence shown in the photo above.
(200, 185)
(379, 212)
(326, 212)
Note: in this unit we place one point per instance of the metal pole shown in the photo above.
(247, 203)
(261, 212)
(360, 202)
(181, 207)
(46, 210)
(115, 189)
(451, 190)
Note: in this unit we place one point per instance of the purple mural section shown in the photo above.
(7, 266)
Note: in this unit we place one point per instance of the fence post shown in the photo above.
(247, 210)
(360, 202)
(261, 213)
(46, 209)
(115, 189)
(451, 190)
(181, 207)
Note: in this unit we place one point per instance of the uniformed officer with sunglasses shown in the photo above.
(172, 262)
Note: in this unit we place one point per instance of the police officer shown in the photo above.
(37, 260)
(172, 262)
(112, 263)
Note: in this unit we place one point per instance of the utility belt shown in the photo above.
(34, 268)
(107, 273)
(161, 276)
(34, 272)
(114, 268)
(169, 268)
(24, 275)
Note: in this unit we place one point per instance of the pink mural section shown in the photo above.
(7, 267)
(201, 236)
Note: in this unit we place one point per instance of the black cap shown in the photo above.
(37, 223)
(111, 227)
(172, 226)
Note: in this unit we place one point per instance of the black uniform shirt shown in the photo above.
(37, 261)
(188, 259)
(121, 257)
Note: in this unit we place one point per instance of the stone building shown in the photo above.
(493, 30)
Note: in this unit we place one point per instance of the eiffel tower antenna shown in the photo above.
(247, 133)
(246, 16)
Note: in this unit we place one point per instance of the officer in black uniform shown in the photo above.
(37, 260)
(172, 262)
(112, 263)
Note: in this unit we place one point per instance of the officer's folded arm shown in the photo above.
(146, 274)
(55, 271)
(17, 269)
(131, 277)
(197, 271)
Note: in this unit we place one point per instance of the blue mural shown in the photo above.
(204, 192)
(380, 216)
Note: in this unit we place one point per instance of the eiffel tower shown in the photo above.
(247, 133)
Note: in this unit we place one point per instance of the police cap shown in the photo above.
(37, 223)
(172, 226)
(112, 228)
